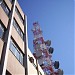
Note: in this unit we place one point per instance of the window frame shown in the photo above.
(11, 1)
(18, 29)
(17, 11)
(16, 51)
(21, 58)
(2, 30)
(5, 8)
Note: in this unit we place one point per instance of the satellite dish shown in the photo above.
(56, 64)
(51, 50)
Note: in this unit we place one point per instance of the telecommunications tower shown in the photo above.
(43, 52)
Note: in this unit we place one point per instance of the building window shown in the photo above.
(0, 1)
(5, 8)
(11, 1)
(21, 57)
(15, 50)
(17, 11)
(18, 28)
(1, 30)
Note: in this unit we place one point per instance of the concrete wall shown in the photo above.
(8, 4)
(17, 38)
(3, 17)
(31, 69)
(19, 8)
(14, 66)
(42, 72)
(1, 47)
(19, 21)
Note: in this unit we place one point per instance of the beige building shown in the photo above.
(14, 52)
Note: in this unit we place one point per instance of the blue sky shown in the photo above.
(56, 19)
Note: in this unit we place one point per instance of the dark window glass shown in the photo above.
(21, 58)
(8, 73)
(0, 1)
(5, 8)
(17, 11)
(18, 28)
(16, 52)
(1, 31)
(11, 1)
(12, 47)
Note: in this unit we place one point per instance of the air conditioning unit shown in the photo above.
(31, 59)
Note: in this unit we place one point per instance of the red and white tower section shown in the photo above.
(43, 52)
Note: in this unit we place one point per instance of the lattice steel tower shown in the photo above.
(43, 52)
